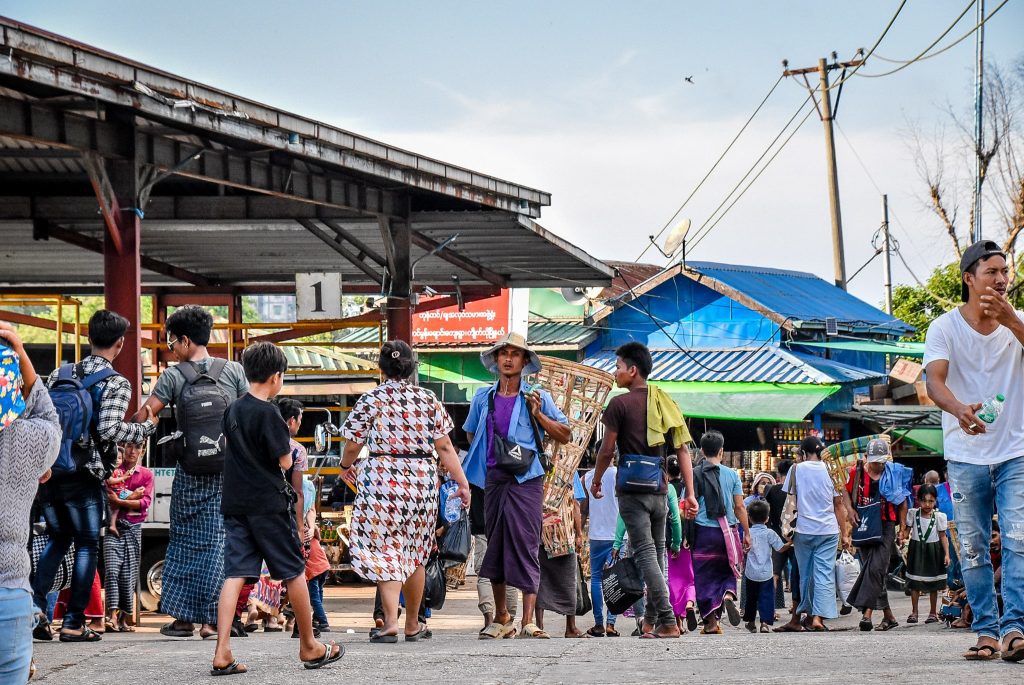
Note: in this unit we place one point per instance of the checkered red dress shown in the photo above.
(395, 511)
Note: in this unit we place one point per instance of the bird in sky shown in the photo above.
(688, 79)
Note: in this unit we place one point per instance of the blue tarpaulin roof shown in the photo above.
(802, 297)
(769, 364)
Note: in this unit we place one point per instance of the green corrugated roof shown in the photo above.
(902, 349)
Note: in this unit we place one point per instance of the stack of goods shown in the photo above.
(580, 392)
(904, 387)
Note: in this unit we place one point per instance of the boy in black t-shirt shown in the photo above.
(259, 522)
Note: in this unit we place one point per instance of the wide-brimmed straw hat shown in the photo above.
(12, 404)
(489, 357)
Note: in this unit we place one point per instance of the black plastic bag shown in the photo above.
(456, 541)
(622, 585)
(584, 605)
(435, 584)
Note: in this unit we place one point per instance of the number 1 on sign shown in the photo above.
(318, 296)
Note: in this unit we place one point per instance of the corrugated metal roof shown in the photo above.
(311, 357)
(766, 365)
(800, 296)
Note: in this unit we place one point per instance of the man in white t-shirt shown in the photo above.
(603, 514)
(973, 353)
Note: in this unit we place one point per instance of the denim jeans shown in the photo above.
(816, 557)
(316, 597)
(644, 516)
(600, 554)
(76, 519)
(979, 491)
(15, 634)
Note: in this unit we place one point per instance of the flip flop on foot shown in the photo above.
(1014, 649)
(731, 610)
(691, 619)
(932, 618)
(174, 629)
(231, 669)
(329, 657)
(611, 632)
(596, 631)
(886, 625)
(982, 653)
(788, 628)
(87, 635)
(421, 634)
(380, 639)
(912, 618)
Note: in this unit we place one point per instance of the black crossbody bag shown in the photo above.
(511, 457)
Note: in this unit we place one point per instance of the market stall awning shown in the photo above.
(903, 349)
(746, 401)
(893, 416)
(769, 364)
(928, 438)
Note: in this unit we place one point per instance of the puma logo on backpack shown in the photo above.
(199, 411)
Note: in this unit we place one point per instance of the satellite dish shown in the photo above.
(580, 296)
(676, 236)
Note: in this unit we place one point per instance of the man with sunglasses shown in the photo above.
(193, 568)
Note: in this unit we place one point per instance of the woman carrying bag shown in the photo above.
(875, 523)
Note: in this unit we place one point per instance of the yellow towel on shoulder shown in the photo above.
(664, 417)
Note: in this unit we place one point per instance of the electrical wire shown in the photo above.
(935, 42)
(701, 235)
(712, 169)
(872, 50)
(922, 56)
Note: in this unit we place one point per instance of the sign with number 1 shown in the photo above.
(317, 296)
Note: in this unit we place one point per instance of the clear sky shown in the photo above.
(588, 100)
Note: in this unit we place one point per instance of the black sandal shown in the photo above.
(88, 635)
(1014, 653)
(329, 656)
(975, 653)
(231, 669)
(611, 632)
(596, 631)
(885, 625)
(42, 630)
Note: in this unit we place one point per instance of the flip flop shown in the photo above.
(379, 639)
(716, 631)
(786, 628)
(912, 618)
(932, 618)
(886, 625)
(731, 610)
(578, 636)
(42, 630)
(596, 632)
(975, 653)
(765, 628)
(866, 625)
(88, 635)
(611, 632)
(329, 656)
(691, 619)
(819, 629)
(231, 669)
(653, 635)
(1014, 653)
(111, 627)
(207, 634)
(421, 634)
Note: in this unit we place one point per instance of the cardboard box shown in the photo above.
(905, 372)
(916, 394)
(880, 392)
(903, 391)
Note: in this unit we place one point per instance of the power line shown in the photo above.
(700, 236)
(922, 56)
(935, 42)
(713, 167)
(872, 50)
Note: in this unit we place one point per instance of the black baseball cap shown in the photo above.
(983, 249)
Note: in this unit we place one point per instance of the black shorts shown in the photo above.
(251, 539)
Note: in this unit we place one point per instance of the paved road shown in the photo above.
(920, 654)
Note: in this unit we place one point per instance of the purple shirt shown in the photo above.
(502, 419)
(142, 478)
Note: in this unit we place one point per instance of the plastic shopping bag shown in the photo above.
(847, 572)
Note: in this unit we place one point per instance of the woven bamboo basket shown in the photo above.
(581, 393)
(841, 456)
(455, 576)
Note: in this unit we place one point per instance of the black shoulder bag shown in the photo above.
(510, 456)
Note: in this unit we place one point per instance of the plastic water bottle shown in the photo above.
(991, 409)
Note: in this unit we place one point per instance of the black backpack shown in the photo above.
(199, 412)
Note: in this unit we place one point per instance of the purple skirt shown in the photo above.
(712, 573)
(681, 590)
(513, 513)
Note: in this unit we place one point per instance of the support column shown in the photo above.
(400, 303)
(122, 284)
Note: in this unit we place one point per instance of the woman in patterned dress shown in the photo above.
(405, 428)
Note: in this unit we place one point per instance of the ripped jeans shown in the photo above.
(978, 492)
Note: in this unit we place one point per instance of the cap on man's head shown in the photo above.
(878, 450)
(983, 249)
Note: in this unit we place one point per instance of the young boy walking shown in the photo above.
(259, 520)
(760, 597)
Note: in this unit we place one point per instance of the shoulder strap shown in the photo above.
(65, 372)
(216, 368)
(189, 372)
(856, 482)
(792, 480)
(98, 377)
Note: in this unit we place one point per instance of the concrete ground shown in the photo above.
(920, 654)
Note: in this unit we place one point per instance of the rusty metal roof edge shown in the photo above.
(362, 144)
(569, 247)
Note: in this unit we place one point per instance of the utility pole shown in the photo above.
(979, 129)
(886, 264)
(827, 114)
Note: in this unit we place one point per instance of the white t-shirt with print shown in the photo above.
(980, 366)
(604, 512)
